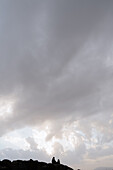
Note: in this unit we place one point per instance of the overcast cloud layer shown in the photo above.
(56, 76)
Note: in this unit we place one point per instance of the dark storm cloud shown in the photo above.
(56, 60)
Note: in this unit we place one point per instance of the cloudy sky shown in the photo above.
(56, 81)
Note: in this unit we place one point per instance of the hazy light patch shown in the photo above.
(25, 132)
(16, 139)
(96, 138)
(40, 139)
(16, 142)
(6, 107)
(68, 141)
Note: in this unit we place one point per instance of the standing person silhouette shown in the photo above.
(58, 162)
(53, 160)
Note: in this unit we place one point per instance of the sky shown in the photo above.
(56, 81)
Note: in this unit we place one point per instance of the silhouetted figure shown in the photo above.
(58, 162)
(53, 160)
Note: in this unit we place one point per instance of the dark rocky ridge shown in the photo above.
(31, 165)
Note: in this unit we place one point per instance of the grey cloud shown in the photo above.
(53, 60)
(100, 152)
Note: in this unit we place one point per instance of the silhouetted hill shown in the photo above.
(31, 165)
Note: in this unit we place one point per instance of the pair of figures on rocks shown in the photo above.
(54, 161)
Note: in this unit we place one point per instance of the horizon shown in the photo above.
(56, 81)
